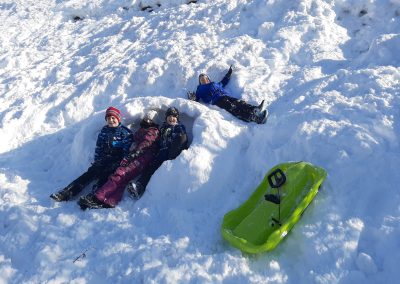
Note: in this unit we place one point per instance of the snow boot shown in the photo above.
(90, 201)
(135, 189)
(261, 118)
(261, 106)
(258, 109)
(63, 195)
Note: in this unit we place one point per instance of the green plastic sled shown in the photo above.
(277, 204)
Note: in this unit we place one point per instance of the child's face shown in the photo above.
(204, 80)
(112, 121)
(172, 120)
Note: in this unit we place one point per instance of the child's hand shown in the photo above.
(191, 96)
(229, 73)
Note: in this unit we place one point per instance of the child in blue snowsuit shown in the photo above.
(215, 94)
(173, 139)
(112, 146)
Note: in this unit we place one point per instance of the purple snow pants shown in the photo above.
(111, 192)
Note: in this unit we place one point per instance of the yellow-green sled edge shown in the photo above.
(249, 227)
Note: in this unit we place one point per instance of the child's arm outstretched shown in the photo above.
(227, 77)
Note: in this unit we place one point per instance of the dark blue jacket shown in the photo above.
(112, 144)
(173, 139)
(210, 93)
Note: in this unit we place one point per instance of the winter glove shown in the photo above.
(229, 73)
(191, 96)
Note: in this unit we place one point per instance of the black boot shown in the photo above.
(65, 194)
(261, 106)
(257, 110)
(90, 201)
(261, 118)
(135, 189)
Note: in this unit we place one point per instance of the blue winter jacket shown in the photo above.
(173, 139)
(112, 144)
(210, 93)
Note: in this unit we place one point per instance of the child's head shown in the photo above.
(204, 79)
(172, 116)
(113, 117)
(148, 119)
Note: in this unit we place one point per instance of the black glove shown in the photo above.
(191, 96)
(229, 73)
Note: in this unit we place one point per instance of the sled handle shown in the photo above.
(279, 176)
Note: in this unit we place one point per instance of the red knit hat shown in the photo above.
(114, 112)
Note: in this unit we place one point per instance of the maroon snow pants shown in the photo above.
(111, 192)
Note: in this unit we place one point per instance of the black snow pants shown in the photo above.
(94, 172)
(236, 107)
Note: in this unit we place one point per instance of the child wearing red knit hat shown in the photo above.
(112, 146)
(112, 111)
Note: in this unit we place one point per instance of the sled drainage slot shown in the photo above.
(274, 198)
(275, 221)
(276, 179)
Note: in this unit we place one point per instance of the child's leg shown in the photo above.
(111, 192)
(148, 172)
(245, 107)
(79, 183)
(240, 109)
(103, 176)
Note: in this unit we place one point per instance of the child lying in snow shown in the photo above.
(173, 140)
(142, 151)
(214, 93)
(111, 147)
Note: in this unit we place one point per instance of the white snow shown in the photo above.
(329, 72)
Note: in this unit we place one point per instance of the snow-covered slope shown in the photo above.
(329, 72)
